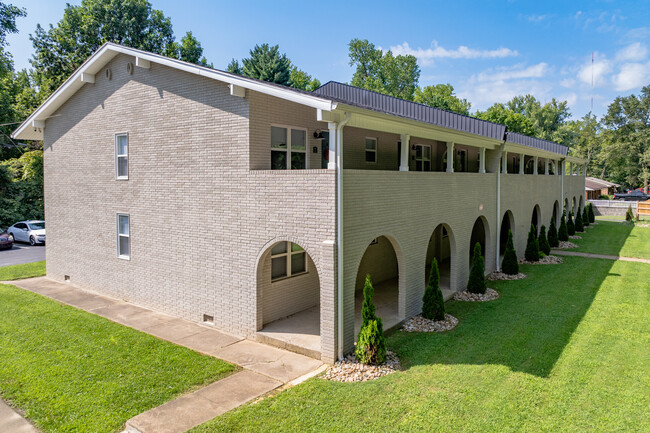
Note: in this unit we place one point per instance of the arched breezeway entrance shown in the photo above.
(442, 247)
(536, 218)
(479, 235)
(507, 224)
(556, 213)
(580, 204)
(380, 261)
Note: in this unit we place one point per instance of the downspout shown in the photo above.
(563, 167)
(339, 232)
(498, 234)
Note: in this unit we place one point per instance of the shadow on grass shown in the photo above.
(607, 237)
(526, 329)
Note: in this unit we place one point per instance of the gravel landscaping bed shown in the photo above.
(489, 295)
(565, 245)
(500, 276)
(575, 237)
(548, 260)
(350, 370)
(420, 324)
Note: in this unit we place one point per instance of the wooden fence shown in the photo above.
(643, 208)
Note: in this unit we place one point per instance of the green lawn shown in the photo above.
(565, 349)
(615, 238)
(17, 272)
(72, 371)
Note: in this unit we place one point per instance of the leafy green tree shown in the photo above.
(371, 346)
(542, 241)
(267, 64)
(303, 81)
(516, 122)
(189, 50)
(21, 188)
(586, 143)
(532, 246)
(433, 303)
(476, 283)
(382, 71)
(510, 264)
(563, 232)
(548, 119)
(629, 214)
(442, 96)
(553, 240)
(570, 225)
(234, 67)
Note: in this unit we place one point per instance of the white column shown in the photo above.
(481, 168)
(450, 157)
(536, 160)
(504, 162)
(546, 166)
(404, 156)
(331, 162)
(522, 158)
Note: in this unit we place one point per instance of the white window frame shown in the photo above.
(118, 156)
(289, 150)
(287, 255)
(366, 150)
(421, 159)
(122, 235)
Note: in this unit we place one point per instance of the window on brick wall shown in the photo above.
(123, 236)
(371, 150)
(121, 156)
(287, 260)
(288, 148)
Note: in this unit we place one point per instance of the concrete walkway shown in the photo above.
(265, 368)
(598, 256)
(12, 422)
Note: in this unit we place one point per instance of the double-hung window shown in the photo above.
(122, 156)
(287, 260)
(422, 157)
(123, 236)
(371, 150)
(288, 148)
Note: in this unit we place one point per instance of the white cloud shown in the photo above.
(538, 18)
(484, 94)
(571, 98)
(426, 56)
(632, 53)
(514, 72)
(600, 68)
(568, 82)
(632, 76)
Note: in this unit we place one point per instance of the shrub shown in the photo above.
(579, 224)
(585, 216)
(592, 217)
(570, 225)
(532, 246)
(629, 215)
(476, 283)
(553, 240)
(544, 246)
(371, 347)
(510, 265)
(433, 303)
(563, 232)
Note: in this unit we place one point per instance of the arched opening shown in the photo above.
(442, 247)
(381, 263)
(479, 232)
(507, 224)
(289, 296)
(556, 213)
(573, 206)
(566, 208)
(536, 218)
(580, 204)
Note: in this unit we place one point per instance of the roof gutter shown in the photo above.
(339, 232)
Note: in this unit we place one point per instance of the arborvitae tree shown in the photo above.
(629, 215)
(585, 216)
(563, 232)
(371, 347)
(553, 241)
(532, 246)
(476, 283)
(433, 303)
(570, 225)
(544, 246)
(510, 265)
(592, 217)
(579, 225)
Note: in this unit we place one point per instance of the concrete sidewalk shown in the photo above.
(598, 256)
(265, 368)
(12, 422)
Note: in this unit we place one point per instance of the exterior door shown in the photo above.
(422, 157)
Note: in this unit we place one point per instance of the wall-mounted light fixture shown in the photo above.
(318, 134)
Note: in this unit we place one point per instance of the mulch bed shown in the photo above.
(420, 324)
(351, 370)
(489, 295)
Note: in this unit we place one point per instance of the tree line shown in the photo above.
(617, 145)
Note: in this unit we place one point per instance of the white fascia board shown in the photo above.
(575, 160)
(109, 50)
(531, 151)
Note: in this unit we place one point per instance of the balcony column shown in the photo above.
(536, 161)
(331, 161)
(522, 157)
(546, 166)
(450, 157)
(504, 162)
(404, 155)
(481, 168)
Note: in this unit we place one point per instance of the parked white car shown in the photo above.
(28, 231)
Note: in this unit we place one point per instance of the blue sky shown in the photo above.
(489, 51)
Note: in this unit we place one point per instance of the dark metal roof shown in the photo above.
(525, 140)
(374, 101)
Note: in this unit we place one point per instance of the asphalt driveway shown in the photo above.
(22, 253)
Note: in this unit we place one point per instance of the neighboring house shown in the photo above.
(236, 202)
(594, 188)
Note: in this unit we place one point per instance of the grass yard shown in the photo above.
(615, 238)
(72, 371)
(17, 272)
(565, 349)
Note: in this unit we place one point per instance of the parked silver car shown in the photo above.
(28, 231)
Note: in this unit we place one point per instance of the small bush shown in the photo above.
(563, 232)
(570, 225)
(579, 224)
(510, 265)
(544, 246)
(553, 240)
(585, 216)
(592, 217)
(532, 246)
(433, 303)
(476, 283)
(371, 346)
(629, 215)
